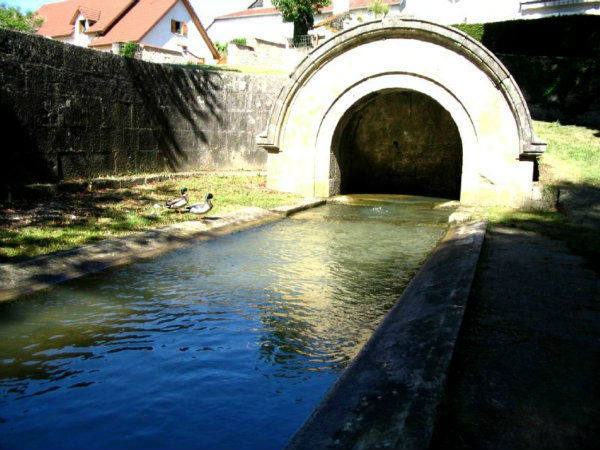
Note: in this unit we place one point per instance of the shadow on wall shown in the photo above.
(20, 152)
(176, 101)
(558, 88)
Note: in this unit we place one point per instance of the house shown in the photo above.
(165, 30)
(261, 20)
(536, 9)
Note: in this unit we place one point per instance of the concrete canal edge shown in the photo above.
(44, 271)
(390, 394)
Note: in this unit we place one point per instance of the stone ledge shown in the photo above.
(389, 395)
(46, 270)
(288, 210)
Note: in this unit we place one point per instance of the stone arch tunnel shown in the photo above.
(397, 141)
(402, 106)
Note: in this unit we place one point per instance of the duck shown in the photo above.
(179, 202)
(201, 207)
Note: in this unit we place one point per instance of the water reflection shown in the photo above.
(228, 344)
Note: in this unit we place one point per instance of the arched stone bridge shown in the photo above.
(403, 106)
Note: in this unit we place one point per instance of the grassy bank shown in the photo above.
(571, 164)
(35, 227)
(573, 154)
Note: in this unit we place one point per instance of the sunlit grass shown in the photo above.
(94, 216)
(573, 153)
(572, 159)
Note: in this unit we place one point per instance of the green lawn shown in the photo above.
(36, 227)
(573, 154)
(572, 161)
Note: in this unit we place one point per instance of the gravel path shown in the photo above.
(526, 370)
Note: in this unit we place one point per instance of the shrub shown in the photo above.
(129, 49)
(475, 30)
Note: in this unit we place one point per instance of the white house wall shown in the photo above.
(268, 27)
(462, 11)
(80, 39)
(161, 36)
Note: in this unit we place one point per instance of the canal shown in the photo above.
(226, 344)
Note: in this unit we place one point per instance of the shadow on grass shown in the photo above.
(577, 222)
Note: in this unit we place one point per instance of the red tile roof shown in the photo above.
(93, 15)
(112, 24)
(136, 23)
(354, 4)
(58, 17)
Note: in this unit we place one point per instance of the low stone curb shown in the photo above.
(288, 210)
(389, 396)
(44, 271)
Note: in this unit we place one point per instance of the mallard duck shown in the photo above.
(179, 202)
(201, 207)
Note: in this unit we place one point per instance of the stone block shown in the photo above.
(77, 165)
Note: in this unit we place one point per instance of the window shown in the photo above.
(178, 27)
(82, 26)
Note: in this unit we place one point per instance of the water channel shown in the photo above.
(226, 344)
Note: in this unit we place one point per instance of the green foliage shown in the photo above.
(475, 30)
(129, 49)
(379, 8)
(574, 35)
(221, 48)
(13, 19)
(573, 154)
(240, 41)
(301, 12)
(566, 85)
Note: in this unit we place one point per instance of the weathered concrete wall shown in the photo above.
(400, 141)
(73, 112)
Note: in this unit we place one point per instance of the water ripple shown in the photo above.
(204, 346)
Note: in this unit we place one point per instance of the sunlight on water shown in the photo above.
(227, 344)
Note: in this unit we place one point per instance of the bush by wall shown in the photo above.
(475, 30)
(572, 36)
(554, 60)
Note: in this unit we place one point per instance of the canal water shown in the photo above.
(226, 344)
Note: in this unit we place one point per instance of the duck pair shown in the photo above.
(196, 208)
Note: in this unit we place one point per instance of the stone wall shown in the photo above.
(71, 112)
(261, 53)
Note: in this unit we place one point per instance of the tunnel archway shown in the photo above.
(388, 59)
(397, 141)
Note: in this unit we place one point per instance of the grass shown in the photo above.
(573, 153)
(33, 228)
(571, 161)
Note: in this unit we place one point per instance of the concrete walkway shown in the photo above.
(526, 369)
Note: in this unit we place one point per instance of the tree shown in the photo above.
(13, 19)
(301, 12)
(379, 8)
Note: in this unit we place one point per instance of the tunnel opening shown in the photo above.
(397, 142)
